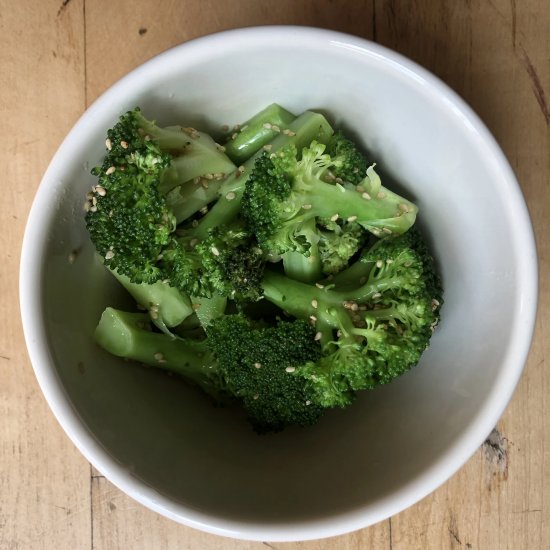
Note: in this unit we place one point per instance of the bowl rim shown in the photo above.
(30, 295)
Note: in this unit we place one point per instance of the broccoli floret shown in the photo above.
(352, 167)
(370, 333)
(227, 263)
(285, 190)
(338, 245)
(251, 364)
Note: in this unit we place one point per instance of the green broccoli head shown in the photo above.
(127, 219)
(258, 366)
(352, 167)
(339, 244)
(288, 188)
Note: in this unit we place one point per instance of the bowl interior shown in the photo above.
(202, 464)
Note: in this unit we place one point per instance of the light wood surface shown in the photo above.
(56, 56)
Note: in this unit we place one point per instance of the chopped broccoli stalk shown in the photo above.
(130, 335)
(201, 158)
(167, 306)
(262, 128)
(209, 309)
(305, 267)
(307, 127)
(252, 364)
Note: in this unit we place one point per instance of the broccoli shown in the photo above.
(284, 191)
(251, 364)
(285, 285)
(374, 331)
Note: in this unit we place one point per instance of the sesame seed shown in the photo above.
(387, 230)
(306, 206)
(208, 176)
(147, 138)
(203, 211)
(220, 147)
(403, 207)
(124, 144)
(241, 168)
(290, 369)
(244, 127)
(354, 307)
(101, 191)
(359, 188)
(108, 144)
(257, 365)
(381, 195)
(352, 218)
(159, 357)
(389, 261)
(219, 175)
(160, 256)
(94, 201)
(111, 213)
(313, 318)
(275, 128)
(376, 295)
(110, 170)
(318, 336)
(234, 135)
(237, 127)
(193, 243)
(204, 183)
(197, 180)
(319, 285)
(109, 255)
(93, 208)
(194, 223)
(230, 196)
(379, 263)
(72, 257)
(86, 206)
(314, 304)
(366, 196)
(215, 251)
(256, 397)
(308, 402)
(267, 125)
(334, 218)
(268, 147)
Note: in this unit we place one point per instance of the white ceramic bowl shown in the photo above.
(159, 440)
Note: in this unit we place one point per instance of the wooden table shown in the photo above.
(57, 56)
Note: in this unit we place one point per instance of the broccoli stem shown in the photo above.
(166, 305)
(129, 335)
(199, 157)
(209, 309)
(307, 269)
(307, 127)
(384, 213)
(257, 132)
(186, 200)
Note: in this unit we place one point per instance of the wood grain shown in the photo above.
(44, 481)
(58, 55)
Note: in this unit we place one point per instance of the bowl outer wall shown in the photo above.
(31, 297)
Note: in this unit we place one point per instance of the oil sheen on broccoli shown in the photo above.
(270, 266)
